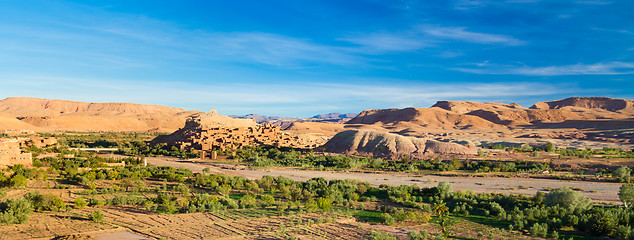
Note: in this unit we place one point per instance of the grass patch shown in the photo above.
(488, 221)
(368, 216)
(236, 196)
(378, 193)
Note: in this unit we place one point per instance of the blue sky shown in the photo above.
(301, 58)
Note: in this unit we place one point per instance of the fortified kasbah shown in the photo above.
(10, 153)
(38, 142)
(207, 132)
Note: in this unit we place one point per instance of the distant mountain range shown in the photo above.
(597, 119)
(320, 117)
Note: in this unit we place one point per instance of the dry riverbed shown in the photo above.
(597, 191)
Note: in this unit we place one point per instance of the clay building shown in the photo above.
(10, 153)
(39, 142)
(205, 133)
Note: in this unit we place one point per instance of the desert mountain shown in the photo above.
(472, 115)
(592, 121)
(50, 115)
(622, 106)
(389, 145)
(420, 117)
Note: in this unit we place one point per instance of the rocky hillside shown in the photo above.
(622, 106)
(50, 115)
(423, 117)
(467, 115)
(389, 145)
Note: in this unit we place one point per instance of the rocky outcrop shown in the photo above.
(389, 145)
(604, 103)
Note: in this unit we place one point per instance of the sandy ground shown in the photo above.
(597, 191)
(124, 235)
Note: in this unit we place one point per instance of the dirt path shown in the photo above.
(597, 191)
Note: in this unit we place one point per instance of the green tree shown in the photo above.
(443, 218)
(267, 200)
(18, 181)
(549, 147)
(444, 188)
(324, 204)
(566, 197)
(626, 194)
(622, 174)
(539, 230)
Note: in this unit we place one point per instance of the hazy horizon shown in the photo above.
(299, 59)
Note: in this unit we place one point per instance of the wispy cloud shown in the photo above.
(285, 99)
(461, 34)
(470, 4)
(607, 68)
(271, 49)
(140, 42)
(389, 42)
(425, 36)
(613, 30)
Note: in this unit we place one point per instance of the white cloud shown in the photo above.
(461, 34)
(284, 99)
(425, 36)
(386, 42)
(607, 68)
(271, 49)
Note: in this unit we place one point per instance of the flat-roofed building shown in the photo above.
(10, 153)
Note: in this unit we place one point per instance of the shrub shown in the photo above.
(549, 147)
(380, 235)
(387, 219)
(229, 203)
(96, 216)
(149, 205)
(539, 230)
(18, 181)
(15, 211)
(80, 203)
(422, 235)
(47, 202)
(622, 232)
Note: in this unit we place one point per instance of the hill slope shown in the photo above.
(49, 115)
(383, 144)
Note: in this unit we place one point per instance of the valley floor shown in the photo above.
(597, 191)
